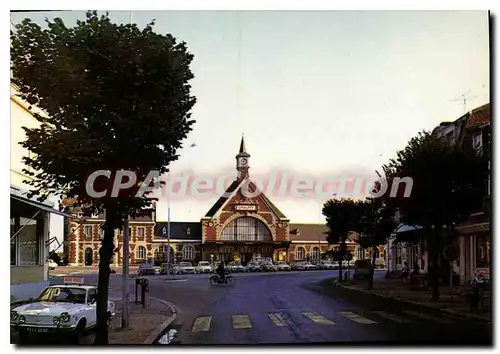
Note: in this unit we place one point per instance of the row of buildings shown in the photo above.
(473, 246)
(234, 228)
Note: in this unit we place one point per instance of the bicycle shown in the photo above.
(216, 279)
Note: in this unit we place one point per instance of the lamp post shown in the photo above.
(169, 265)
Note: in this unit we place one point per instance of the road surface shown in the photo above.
(293, 308)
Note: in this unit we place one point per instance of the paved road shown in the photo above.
(296, 307)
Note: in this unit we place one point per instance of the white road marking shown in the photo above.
(313, 316)
(202, 324)
(356, 318)
(391, 317)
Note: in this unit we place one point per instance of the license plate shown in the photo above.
(37, 330)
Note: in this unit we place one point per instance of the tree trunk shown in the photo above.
(372, 271)
(342, 245)
(434, 250)
(105, 254)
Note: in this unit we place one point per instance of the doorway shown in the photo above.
(88, 256)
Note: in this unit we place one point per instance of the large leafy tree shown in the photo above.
(448, 184)
(375, 226)
(342, 218)
(116, 97)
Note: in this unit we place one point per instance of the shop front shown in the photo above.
(29, 245)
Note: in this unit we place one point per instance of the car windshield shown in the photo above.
(63, 294)
(145, 265)
(203, 264)
(282, 263)
(186, 264)
(327, 262)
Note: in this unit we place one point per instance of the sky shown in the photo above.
(318, 93)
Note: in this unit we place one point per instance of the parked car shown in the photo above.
(362, 269)
(174, 269)
(59, 310)
(235, 267)
(326, 265)
(187, 268)
(52, 265)
(306, 266)
(146, 268)
(268, 266)
(379, 263)
(204, 267)
(283, 266)
(253, 267)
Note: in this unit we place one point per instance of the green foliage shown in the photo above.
(342, 217)
(448, 181)
(116, 97)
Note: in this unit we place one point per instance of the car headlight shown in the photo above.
(65, 317)
(56, 320)
(22, 319)
(13, 316)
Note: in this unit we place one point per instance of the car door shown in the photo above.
(91, 315)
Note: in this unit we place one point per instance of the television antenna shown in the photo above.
(464, 98)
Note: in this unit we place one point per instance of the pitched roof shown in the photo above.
(479, 116)
(252, 188)
(218, 204)
(178, 230)
(308, 232)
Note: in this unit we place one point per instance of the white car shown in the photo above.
(187, 268)
(253, 267)
(52, 265)
(204, 267)
(236, 267)
(283, 266)
(59, 308)
(327, 265)
(306, 266)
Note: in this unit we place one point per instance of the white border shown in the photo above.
(227, 4)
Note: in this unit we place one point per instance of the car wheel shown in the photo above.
(79, 330)
(24, 337)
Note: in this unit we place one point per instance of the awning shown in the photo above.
(39, 205)
(408, 233)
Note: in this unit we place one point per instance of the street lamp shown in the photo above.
(168, 225)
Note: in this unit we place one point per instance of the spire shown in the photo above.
(243, 150)
(242, 144)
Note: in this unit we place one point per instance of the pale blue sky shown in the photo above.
(320, 91)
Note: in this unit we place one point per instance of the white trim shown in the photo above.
(233, 193)
(311, 242)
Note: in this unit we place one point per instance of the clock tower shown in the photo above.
(242, 158)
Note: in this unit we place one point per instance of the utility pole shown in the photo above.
(125, 287)
(168, 235)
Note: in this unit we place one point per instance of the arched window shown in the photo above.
(188, 252)
(246, 229)
(301, 253)
(160, 254)
(140, 253)
(315, 254)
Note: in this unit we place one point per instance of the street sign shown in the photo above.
(451, 253)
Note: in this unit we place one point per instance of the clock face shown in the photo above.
(243, 161)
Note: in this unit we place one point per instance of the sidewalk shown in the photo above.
(396, 290)
(146, 324)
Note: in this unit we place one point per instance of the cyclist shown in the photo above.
(221, 271)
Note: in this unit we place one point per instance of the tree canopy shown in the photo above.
(448, 181)
(115, 97)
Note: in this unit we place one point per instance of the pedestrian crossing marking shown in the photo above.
(428, 317)
(276, 318)
(313, 316)
(357, 318)
(241, 321)
(391, 317)
(202, 324)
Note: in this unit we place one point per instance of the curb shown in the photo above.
(418, 306)
(158, 333)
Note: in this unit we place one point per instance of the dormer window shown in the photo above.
(164, 230)
(188, 231)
